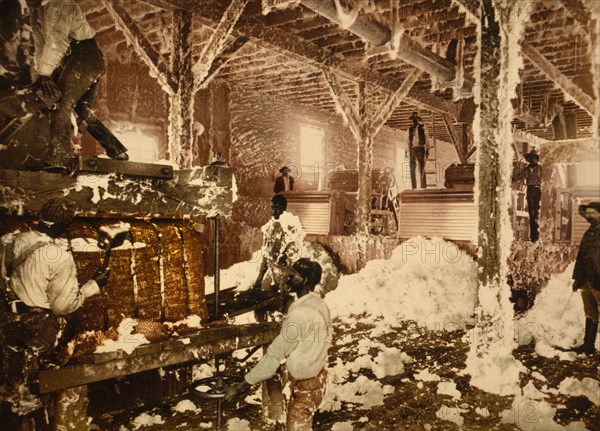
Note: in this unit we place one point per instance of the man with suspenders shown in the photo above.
(38, 284)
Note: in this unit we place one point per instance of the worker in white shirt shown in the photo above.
(38, 283)
(69, 62)
(303, 343)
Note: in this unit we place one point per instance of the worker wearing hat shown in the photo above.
(418, 151)
(285, 182)
(586, 276)
(38, 284)
(302, 343)
(532, 174)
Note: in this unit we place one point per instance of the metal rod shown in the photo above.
(217, 220)
(219, 414)
(219, 406)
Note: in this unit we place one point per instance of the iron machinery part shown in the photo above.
(211, 388)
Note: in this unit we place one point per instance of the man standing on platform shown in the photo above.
(418, 151)
(532, 174)
(285, 182)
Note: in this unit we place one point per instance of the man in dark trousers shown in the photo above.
(532, 174)
(586, 276)
(38, 283)
(418, 150)
(285, 182)
(302, 343)
(69, 62)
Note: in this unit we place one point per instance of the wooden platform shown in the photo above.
(204, 343)
(446, 213)
(131, 189)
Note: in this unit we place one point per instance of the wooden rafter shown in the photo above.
(227, 54)
(563, 81)
(427, 101)
(578, 11)
(349, 111)
(387, 108)
(217, 40)
(141, 45)
(472, 14)
(295, 47)
(528, 118)
(523, 136)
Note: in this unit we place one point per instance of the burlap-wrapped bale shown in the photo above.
(174, 284)
(119, 291)
(194, 269)
(90, 316)
(146, 254)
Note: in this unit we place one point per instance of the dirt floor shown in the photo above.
(413, 405)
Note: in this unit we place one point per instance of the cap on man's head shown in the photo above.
(592, 205)
(532, 153)
(309, 269)
(285, 168)
(414, 115)
(58, 210)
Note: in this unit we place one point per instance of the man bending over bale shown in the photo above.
(38, 284)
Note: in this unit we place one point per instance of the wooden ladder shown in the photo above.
(431, 161)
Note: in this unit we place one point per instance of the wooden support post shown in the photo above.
(181, 108)
(502, 26)
(365, 165)
(488, 181)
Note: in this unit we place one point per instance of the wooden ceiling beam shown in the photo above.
(523, 136)
(141, 45)
(454, 138)
(387, 108)
(563, 81)
(217, 41)
(578, 11)
(407, 49)
(473, 15)
(347, 107)
(227, 54)
(297, 48)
